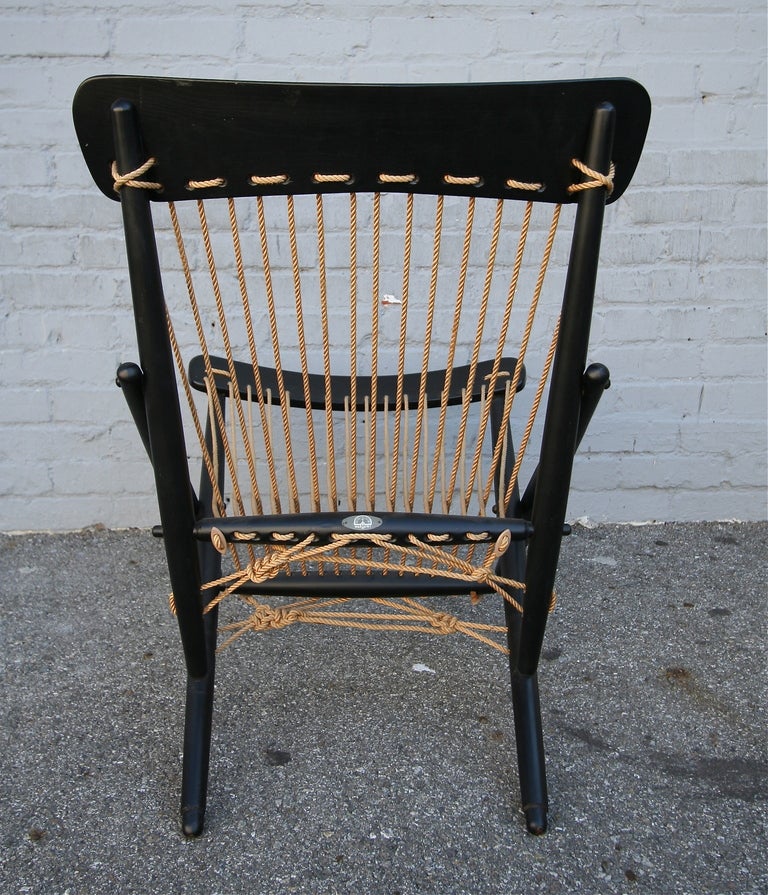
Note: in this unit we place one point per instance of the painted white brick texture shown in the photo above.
(681, 310)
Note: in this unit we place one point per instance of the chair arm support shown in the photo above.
(130, 379)
(594, 382)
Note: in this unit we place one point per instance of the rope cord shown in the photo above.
(598, 179)
(272, 563)
(130, 178)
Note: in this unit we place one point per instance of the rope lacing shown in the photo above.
(598, 179)
(130, 178)
(444, 564)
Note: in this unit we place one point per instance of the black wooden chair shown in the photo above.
(353, 415)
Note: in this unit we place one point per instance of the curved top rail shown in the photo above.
(235, 138)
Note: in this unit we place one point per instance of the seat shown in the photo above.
(351, 297)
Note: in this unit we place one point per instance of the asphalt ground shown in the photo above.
(340, 767)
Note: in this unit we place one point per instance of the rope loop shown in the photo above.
(453, 180)
(522, 185)
(206, 184)
(598, 179)
(130, 178)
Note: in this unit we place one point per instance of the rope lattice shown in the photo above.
(393, 442)
(447, 565)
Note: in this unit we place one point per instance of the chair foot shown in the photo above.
(192, 821)
(536, 819)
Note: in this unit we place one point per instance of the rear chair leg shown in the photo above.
(530, 751)
(197, 739)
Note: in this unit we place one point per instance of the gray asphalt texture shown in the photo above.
(338, 768)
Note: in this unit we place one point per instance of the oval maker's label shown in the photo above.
(362, 522)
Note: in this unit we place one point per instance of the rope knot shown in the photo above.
(444, 623)
(130, 178)
(267, 618)
(597, 180)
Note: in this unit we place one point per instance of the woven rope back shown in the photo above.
(380, 291)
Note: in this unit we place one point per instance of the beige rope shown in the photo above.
(482, 313)
(328, 398)
(407, 615)
(296, 270)
(229, 445)
(401, 348)
(598, 179)
(269, 180)
(130, 178)
(247, 317)
(512, 391)
(352, 418)
(451, 566)
(429, 556)
(332, 178)
(215, 405)
(547, 364)
(438, 461)
(375, 275)
(206, 184)
(521, 185)
(275, 340)
(462, 181)
(429, 324)
(398, 178)
(494, 374)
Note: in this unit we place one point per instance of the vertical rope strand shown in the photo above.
(521, 357)
(494, 375)
(219, 505)
(532, 416)
(238, 405)
(422, 406)
(266, 429)
(401, 348)
(274, 337)
(460, 445)
(438, 463)
(352, 450)
(328, 399)
(218, 415)
(313, 465)
(374, 350)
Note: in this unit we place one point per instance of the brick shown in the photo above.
(441, 36)
(40, 36)
(286, 37)
(159, 35)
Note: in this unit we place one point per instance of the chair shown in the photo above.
(347, 265)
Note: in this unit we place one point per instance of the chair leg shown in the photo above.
(530, 751)
(199, 710)
(525, 688)
(527, 712)
(197, 738)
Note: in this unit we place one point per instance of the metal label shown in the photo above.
(362, 522)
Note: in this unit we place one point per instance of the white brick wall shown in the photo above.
(681, 298)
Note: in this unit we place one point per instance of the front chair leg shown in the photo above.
(525, 688)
